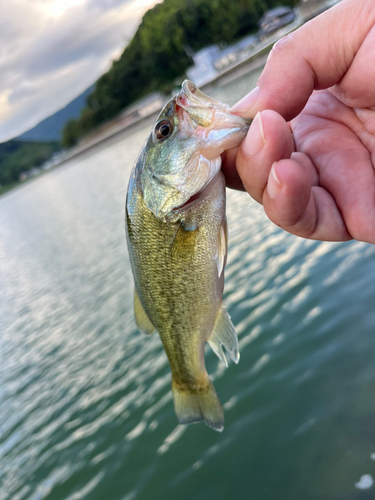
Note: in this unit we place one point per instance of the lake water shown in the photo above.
(86, 409)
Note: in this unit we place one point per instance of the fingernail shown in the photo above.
(274, 185)
(256, 138)
(244, 105)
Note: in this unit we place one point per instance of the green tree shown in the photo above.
(20, 156)
(156, 55)
(71, 133)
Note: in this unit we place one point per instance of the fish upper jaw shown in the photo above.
(210, 121)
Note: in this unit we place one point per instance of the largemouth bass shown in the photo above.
(177, 240)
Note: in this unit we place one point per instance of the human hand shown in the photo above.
(309, 156)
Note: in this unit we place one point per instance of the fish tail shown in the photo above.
(199, 405)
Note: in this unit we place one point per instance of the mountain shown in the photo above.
(50, 128)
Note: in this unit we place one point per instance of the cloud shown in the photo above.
(105, 4)
(55, 50)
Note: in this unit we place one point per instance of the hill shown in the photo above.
(50, 129)
(158, 53)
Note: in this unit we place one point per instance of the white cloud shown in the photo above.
(58, 7)
(52, 50)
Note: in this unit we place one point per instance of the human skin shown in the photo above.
(309, 155)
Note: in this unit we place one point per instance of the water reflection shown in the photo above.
(86, 409)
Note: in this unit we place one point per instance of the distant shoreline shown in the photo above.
(254, 62)
(125, 121)
(112, 132)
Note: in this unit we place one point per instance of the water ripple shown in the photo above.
(86, 409)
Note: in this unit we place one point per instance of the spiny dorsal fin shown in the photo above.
(224, 334)
(141, 318)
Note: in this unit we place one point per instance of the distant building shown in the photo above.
(150, 104)
(34, 171)
(204, 70)
(23, 176)
(236, 52)
(274, 19)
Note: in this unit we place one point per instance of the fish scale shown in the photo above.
(167, 284)
(176, 232)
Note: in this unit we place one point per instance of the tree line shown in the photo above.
(158, 53)
(20, 156)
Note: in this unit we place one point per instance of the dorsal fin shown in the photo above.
(141, 318)
(224, 334)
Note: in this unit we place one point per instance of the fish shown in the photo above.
(177, 240)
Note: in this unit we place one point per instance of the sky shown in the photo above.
(52, 50)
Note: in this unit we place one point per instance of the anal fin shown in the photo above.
(224, 335)
(141, 318)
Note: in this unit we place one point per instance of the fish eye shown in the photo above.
(163, 130)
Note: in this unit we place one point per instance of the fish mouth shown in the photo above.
(209, 121)
(194, 96)
(205, 112)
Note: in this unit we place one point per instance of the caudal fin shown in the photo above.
(194, 407)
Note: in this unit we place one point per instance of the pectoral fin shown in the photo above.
(222, 248)
(178, 242)
(141, 318)
(224, 335)
(183, 243)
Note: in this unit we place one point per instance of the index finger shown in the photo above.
(316, 56)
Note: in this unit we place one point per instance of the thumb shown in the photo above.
(316, 56)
